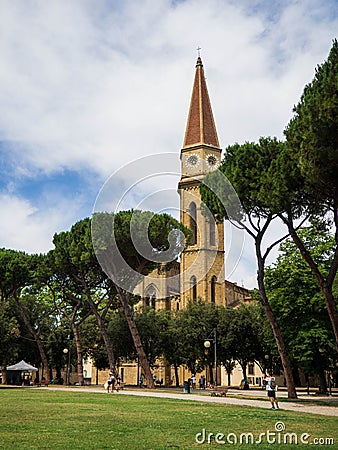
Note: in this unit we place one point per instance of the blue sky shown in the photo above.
(88, 86)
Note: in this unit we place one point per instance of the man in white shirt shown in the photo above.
(193, 381)
(271, 388)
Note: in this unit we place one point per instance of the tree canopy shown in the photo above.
(312, 134)
(298, 304)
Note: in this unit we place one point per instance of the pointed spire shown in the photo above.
(201, 127)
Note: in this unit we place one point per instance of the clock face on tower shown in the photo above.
(192, 161)
(212, 161)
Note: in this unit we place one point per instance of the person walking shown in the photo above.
(109, 382)
(118, 382)
(202, 382)
(113, 382)
(193, 381)
(271, 388)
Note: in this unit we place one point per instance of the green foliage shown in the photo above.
(196, 323)
(251, 169)
(93, 344)
(57, 340)
(312, 137)
(243, 335)
(20, 280)
(150, 326)
(297, 302)
(312, 134)
(9, 333)
(152, 233)
(75, 272)
(15, 271)
(74, 254)
(238, 332)
(121, 338)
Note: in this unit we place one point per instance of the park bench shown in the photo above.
(219, 391)
(42, 383)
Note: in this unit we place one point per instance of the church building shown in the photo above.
(202, 264)
(200, 273)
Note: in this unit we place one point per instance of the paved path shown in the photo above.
(287, 406)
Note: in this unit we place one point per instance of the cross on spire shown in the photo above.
(199, 51)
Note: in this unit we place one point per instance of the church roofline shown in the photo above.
(200, 145)
(200, 127)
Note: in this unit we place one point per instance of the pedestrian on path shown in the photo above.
(118, 382)
(202, 382)
(193, 381)
(271, 388)
(110, 382)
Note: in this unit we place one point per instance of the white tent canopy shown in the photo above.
(22, 365)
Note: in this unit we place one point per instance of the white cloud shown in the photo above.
(94, 85)
(20, 227)
(97, 87)
(29, 228)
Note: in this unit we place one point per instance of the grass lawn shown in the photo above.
(46, 419)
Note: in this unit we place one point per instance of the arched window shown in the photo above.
(151, 297)
(193, 282)
(213, 289)
(212, 231)
(193, 223)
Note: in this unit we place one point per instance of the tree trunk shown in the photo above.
(108, 344)
(35, 336)
(244, 365)
(79, 355)
(124, 299)
(58, 372)
(322, 382)
(176, 375)
(229, 368)
(106, 339)
(4, 375)
(287, 368)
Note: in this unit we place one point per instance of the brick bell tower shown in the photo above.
(202, 263)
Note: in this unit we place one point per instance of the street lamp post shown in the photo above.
(67, 352)
(207, 344)
(329, 380)
(267, 369)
